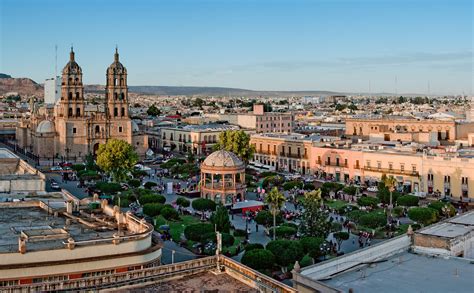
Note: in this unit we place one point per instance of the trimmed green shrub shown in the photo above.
(397, 211)
(373, 220)
(152, 209)
(183, 202)
(253, 246)
(227, 239)
(152, 198)
(336, 226)
(150, 184)
(306, 261)
(424, 216)
(366, 201)
(204, 204)
(134, 183)
(439, 206)
(283, 232)
(286, 251)
(106, 187)
(408, 200)
(78, 167)
(169, 213)
(351, 190)
(346, 208)
(258, 259)
(356, 215)
(195, 231)
(312, 246)
(265, 218)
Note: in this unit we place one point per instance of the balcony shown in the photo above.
(356, 166)
(392, 171)
(333, 164)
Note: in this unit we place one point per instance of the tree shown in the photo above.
(366, 201)
(265, 218)
(341, 236)
(203, 204)
(258, 259)
(194, 232)
(373, 219)
(253, 246)
(220, 219)
(236, 141)
(117, 158)
(169, 213)
(182, 202)
(425, 216)
(152, 209)
(408, 200)
(443, 208)
(275, 201)
(286, 252)
(153, 110)
(314, 221)
(390, 182)
(152, 198)
(312, 246)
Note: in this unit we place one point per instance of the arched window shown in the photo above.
(115, 112)
(69, 97)
(69, 112)
(122, 96)
(115, 96)
(78, 111)
(115, 81)
(123, 111)
(77, 95)
(121, 81)
(97, 129)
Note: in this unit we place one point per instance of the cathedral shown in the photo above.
(74, 128)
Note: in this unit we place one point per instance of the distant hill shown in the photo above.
(22, 86)
(218, 91)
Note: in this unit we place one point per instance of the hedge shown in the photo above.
(253, 246)
(150, 184)
(258, 259)
(152, 198)
(152, 209)
(169, 213)
(408, 200)
(283, 231)
(373, 220)
(425, 216)
(439, 205)
(366, 201)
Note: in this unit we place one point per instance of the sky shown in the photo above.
(398, 46)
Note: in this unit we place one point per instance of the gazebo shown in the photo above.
(223, 178)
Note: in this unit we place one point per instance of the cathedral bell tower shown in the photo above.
(71, 104)
(116, 90)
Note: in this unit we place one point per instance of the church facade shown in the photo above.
(74, 128)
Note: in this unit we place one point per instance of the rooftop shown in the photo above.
(407, 272)
(45, 231)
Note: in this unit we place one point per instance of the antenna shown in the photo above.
(55, 61)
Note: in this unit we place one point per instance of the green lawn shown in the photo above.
(335, 204)
(176, 227)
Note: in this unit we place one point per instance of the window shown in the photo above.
(447, 179)
(115, 96)
(115, 112)
(390, 166)
(337, 161)
(97, 129)
(120, 128)
(368, 164)
(357, 163)
(77, 95)
(78, 112)
(379, 165)
(69, 96)
(413, 168)
(74, 130)
(345, 162)
(69, 112)
(123, 111)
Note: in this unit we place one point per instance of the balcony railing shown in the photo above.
(392, 171)
(333, 164)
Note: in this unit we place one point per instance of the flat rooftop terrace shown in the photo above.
(202, 282)
(47, 232)
(407, 272)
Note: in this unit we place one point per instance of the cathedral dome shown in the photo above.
(223, 158)
(45, 126)
(72, 67)
(116, 67)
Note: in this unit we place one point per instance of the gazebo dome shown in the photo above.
(223, 158)
(46, 126)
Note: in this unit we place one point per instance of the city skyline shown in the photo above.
(345, 46)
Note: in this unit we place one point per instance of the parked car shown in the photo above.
(56, 168)
(373, 189)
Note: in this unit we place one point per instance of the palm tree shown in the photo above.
(275, 200)
(390, 182)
